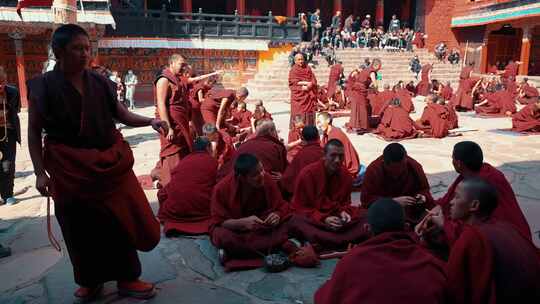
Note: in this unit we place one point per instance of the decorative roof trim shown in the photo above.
(45, 15)
(524, 11)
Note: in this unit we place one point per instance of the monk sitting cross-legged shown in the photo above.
(528, 93)
(310, 151)
(247, 212)
(435, 118)
(215, 106)
(396, 123)
(221, 144)
(323, 214)
(468, 160)
(399, 270)
(184, 204)
(398, 176)
(498, 101)
(528, 118)
(491, 262)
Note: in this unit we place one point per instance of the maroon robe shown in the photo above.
(294, 135)
(405, 99)
(396, 124)
(242, 119)
(179, 110)
(225, 148)
(359, 102)
(97, 198)
(196, 116)
(447, 92)
(492, 263)
(303, 102)
(229, 203)
(452, 121)
(411, 88)
(307, 154)
(511, 70)
(212, 102)
(423, 86)
(498, 103)
(318, 196)
(527, 119)
(435, 118)
(419, 40)
(463, 97)
(335, 74)
(184, 204)
(384, 98)
(507, 210)
(400, 271)
(530, 95)
(352, 160)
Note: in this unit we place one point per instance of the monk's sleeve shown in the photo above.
(293, 81)
(218, 210)
(278, 204)
(306, 200)
(469, 270)
(336, 289)
(425, 116)
(370, 188)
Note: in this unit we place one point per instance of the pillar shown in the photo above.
(19, 61)
(379, 12)
(338, 6)
(241, 7)
(405, 11)
(64, 11)
(186, 6)
(525, 51)
(291, 8)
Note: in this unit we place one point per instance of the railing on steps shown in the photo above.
(161, 23)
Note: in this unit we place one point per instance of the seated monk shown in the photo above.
(266, 146)
(247, 212)
(384, 98)
(498, 101)
(452, 121)
(352, 160)
(528, 118)
(295, 137)
(447, 92)
(260, 113)
(309, 151)
(396, 123)
(468, 160)
(215, 106)
(339, 98)
(400, 270)
(434, 118)
(323, 214)
(491, 262)
(221, 144)
(405, 99)
(411, 88)
(528, 93)
(242, 117)
(184, 204)
(398, 176)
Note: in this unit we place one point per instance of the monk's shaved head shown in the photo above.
(201, 143)
(299, 59)
(325, 117)
(174, 58)
(477, 189)
(394, 153)
(266, 127)
(310, 133)
(467, 154)
(245, 163)
(385, 215)
(242, 92)
(332, 143)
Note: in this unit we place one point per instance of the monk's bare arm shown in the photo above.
(35, 145)
(200, 96)
(131, 119)
(242, 224)
(202, 77)
(221, 113)
(161, 95)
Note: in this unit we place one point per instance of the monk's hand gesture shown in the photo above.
(43, 183)
(252, 223)
(276, 176)
(333, 222)
(420, 199)
(345, 217)
(170, 135)
(158, 124)
(272, 219)
(405, 200)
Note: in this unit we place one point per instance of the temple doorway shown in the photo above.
(534, 59)
(504, 45)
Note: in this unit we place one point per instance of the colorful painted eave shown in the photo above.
(171, 43)
(525, 11)
(9, 14)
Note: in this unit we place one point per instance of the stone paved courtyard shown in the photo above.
(186, 269)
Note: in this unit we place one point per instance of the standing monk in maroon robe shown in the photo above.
(463, 99)
(184, 204)
(221, 144)
(416, 275)
(309, 152)
(510, 72)
(336, 72)
(174, 108)
(247, 212)
(453, 120)
(322, 206)
(85, 165)
(423, 86)
(361, 81)
(303, 86)
(447, 92)
(352, 160)
(435, 118)
(398, 176)
(468, 160)
(527, 94)
(405, 99)
(384, 99)
(216, 105)
(197, 95)
(396, 123)
(528, 118)
(490, 262)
